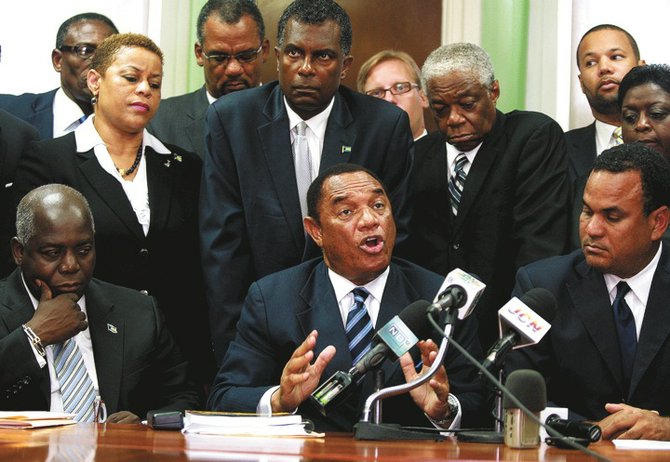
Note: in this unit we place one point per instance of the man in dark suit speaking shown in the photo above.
(609, 343)
(265, 145)
(299, 326)
(490, 189)
(66, 338)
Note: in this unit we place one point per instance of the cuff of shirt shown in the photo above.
(264, 407)
(451, 422)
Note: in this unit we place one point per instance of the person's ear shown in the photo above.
(314, 230)
(17, 250)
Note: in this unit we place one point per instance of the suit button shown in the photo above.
(144, 292)
(144, 252)
(456, 246)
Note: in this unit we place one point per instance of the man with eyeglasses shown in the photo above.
(231, 49)
(394, 76)
(264, 146)
(58, 112)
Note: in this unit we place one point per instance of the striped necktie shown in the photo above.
(625, 325)
(359, 326)
(457, 181)
(303, 164)
(76, 386)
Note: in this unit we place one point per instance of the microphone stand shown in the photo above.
(495, 436)
(373, 429)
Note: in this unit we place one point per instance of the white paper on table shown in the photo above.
(642, 444)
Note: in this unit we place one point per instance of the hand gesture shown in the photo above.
(300, 378)
(432, 396)
(56, 319)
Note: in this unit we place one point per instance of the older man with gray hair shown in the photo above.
(490, 188)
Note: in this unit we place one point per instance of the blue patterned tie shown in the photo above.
(76, 386)
(457, 182)
(359, 326)
(625, 325)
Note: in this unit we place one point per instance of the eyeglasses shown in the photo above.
(83, 50)
(398, 88)
(243, 57)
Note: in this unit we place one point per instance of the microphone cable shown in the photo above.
(511, 397)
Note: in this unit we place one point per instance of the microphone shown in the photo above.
(529, 388)
(522, 322)
(459, 290)
(393, 340)
(581, 429)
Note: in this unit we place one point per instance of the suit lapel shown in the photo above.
(276, 143)
(196, 112)
(479, 170)
(107, 334)
(592, 305)
(585, 145)
(340, 135)
(655, 327)
(160, 182)
(323, 315)
(109, 190)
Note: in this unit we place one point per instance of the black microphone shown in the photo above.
(393, 340)
(526, 321)
(574, 428)
(453, 297)
(529, 388)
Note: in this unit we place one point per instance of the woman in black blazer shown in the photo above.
(143, 193)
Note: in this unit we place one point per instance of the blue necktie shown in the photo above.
(359, 326)
(625, 325)
(76, 387)
(457, 182)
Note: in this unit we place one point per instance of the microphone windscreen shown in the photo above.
(415, 318)
(542, 302)
(527, 386)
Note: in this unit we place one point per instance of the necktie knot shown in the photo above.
(301, 128)
(623, 311)
(617, 136)
(360, 295)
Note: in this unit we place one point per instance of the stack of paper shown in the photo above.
(34, 419)
(221, 423)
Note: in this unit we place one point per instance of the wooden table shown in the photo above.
(87, 442)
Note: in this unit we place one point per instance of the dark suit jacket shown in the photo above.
(34, 108)
(579, 357)
(250, 221)
(581, 144)
(15, 135)
(513, 210)
(165, 262)
(139, 367)
(180, 120)
(282, 309)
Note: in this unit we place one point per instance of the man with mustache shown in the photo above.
(58, 112)
(301, 325)
(231, 50)
(66, 337)
(605, 54)
(606, 356)
(265, 145)
(507, 170)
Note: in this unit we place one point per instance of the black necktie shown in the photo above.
(625, 325)
(359, 326)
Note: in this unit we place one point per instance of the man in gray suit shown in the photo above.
(231, 49)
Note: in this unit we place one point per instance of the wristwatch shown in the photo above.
(452, 411)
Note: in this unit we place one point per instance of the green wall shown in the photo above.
(195, 77)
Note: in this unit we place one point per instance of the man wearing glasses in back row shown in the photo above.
(58, 112)
(231, 49)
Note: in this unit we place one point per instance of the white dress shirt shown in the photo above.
(604, 138)
(83, 340)
(640, 286)
(137, 189)
(66, 114)
(453, 152)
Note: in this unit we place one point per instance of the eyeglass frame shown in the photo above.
(235, 56)
(411, 86)
(75, 49)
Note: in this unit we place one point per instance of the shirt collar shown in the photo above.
(87, 137)
(342, 286)
(65, 112)
(317, 123)
(640, 284)
(603, 134)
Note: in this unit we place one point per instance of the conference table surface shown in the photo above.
(100, 442)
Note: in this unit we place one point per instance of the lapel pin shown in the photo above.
(112, 328)
(346, 149)
(177, 157)
(167, 163)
